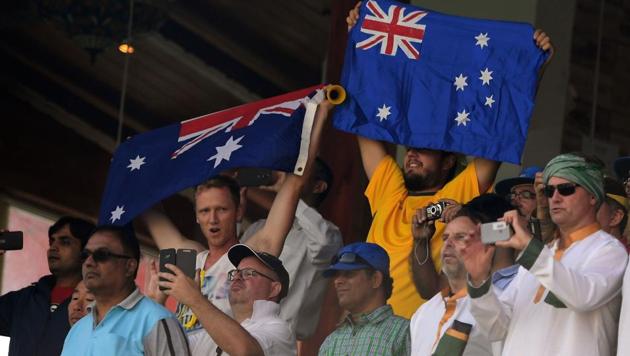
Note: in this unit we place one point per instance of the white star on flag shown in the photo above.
(462, 118)
(486, 76)
(135, 163)
(225, 152)
(383, 113)
(117, 213)
(460, 82)
(482, 40)
(489, 100)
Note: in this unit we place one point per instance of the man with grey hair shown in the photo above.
(565, 298)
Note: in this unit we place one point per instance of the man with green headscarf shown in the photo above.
(565, 298)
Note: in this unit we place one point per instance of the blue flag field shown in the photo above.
(425, 79)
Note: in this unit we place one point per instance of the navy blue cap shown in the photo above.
(622, 167)
(527, 176)
(370, 256)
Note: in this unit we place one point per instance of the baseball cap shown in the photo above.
(527, 176)
(359, 255)
(240, 251)
(622, 168)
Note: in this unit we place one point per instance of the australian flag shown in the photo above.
(271, 133)
(424, 79)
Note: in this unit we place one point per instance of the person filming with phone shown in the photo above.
(565, 298)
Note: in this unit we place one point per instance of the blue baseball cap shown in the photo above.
(527, 176)
(359, 255)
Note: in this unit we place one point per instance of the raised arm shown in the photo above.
(271, 237)
(486, 173)
(165, 233)
(228, 334)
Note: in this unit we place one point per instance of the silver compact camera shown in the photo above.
(434, 211)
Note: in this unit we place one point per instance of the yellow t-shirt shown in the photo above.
(392, 210)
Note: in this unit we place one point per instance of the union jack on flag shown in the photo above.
(392, 30)
(271, 133)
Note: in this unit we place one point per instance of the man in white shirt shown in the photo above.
(258, 284)
(310, 245)
(217, 210)
(443, 325)
(565, 298)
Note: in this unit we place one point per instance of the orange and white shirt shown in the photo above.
(561, 302)
(434, 319)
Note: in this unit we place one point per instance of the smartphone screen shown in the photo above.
(186, 261)
(167, 255)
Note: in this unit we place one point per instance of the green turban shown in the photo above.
(577, 170)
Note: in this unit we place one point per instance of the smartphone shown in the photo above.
(253, 177)
(11, 240)
(495, 231)
(167, 255)
(187, 261)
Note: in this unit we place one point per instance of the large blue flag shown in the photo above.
(424, 79)
(272, 133)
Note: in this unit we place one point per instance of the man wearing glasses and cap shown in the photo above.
(258, 283)
(565, 298)
(360, 274)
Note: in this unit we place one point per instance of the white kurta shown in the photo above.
(425, 324)
(584, 285)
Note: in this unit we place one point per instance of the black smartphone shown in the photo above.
(167, 255)
(187, 261)
(253, 177)
(11, 240)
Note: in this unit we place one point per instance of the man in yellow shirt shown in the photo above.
(395, 194)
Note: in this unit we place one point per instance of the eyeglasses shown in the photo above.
(564, 189)
(100, 255)
(525, 194)
(246, 273)
(349, 257)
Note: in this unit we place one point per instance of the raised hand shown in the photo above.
(477, 257)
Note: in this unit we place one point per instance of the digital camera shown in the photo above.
(434, 211)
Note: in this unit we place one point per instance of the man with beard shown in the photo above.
(443, 325)
(520, 191)
(395, 195)
(36, 317)
(427, 176)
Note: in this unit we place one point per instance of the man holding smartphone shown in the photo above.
(36, 317)
(565, 298)
(217, 210)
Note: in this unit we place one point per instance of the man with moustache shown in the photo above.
(520, 191)
(443, 325)
(122, 321)
(36, 317)
(360, 274)
(565, 298)
(258, 284)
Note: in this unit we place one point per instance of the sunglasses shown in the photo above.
(100, 255)
(565, 189)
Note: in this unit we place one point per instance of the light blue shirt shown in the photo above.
(135, 326)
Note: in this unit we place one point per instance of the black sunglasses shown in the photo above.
(350, 257)
(564, 189)
(100, 255)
